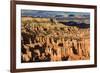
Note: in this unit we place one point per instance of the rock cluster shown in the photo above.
(53, 41)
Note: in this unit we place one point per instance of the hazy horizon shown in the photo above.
(55, 14)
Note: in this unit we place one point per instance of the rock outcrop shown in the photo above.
(48, 40)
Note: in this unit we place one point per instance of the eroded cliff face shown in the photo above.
(48, 40)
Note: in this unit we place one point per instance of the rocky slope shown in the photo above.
(45, 39)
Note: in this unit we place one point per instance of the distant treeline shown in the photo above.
(80, 25)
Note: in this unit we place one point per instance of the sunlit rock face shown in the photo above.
(45, 39)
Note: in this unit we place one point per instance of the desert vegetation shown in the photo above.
(46, 39)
